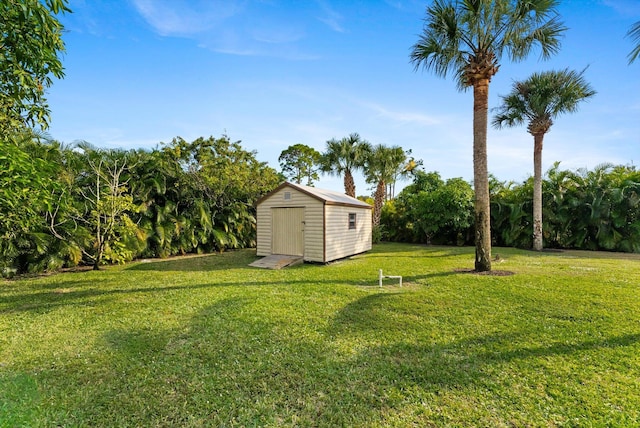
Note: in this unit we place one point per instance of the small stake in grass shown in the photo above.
(380, 276)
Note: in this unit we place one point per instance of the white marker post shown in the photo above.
(380, 276)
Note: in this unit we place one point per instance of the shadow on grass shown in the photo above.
(240, 259)
(421, 251)
(49, 300)
(19, 397)
(431, 367)
(239, 362)
(454, 363)
(236, 259)
(78, 293)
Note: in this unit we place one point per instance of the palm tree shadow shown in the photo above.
(440, 364)
(233, 352)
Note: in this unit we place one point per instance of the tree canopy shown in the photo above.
(343, 157)
(381, 167)
(68, 205)
(300, 162)
(30, 47)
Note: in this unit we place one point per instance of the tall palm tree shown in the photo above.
(345, 156)
(469, 38)
(381, 168)
(537, 101)
(634, 34)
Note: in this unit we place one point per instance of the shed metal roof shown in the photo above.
(329, 197)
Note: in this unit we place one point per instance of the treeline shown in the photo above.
(595, 209)
(68, 205)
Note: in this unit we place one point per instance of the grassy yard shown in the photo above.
(208, 341)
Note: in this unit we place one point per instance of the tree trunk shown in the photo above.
(378, 202)
(349, 185)
(537, 191)
(99, 240)
(298, 175)
(481, 175)
(99, 252)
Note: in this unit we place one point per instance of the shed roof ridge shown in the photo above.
(329, 196)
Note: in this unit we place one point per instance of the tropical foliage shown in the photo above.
(345, 156)
(431, 210)
(634, 34)
(30, 45)
(595, 209)
(469, 38)
(381, 168)
(28, 171)
(537, 101)
(65, 206)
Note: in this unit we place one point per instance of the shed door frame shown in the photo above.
(287, 231)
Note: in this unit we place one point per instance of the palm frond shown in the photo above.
(469, 37)
(541, 98)
(634, 35)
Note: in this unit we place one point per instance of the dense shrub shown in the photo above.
(63, 206)
(595, 209)
(431, 210)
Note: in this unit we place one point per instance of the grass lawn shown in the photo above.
(208, 341)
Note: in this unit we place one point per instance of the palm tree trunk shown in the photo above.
(537, 191)
(481, 175)
(349, 185)
(378, 202)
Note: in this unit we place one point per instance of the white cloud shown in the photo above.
(403, 117)
(629, 8)
(242, 28)
(330, 17)
(276, 35)
(170, 17)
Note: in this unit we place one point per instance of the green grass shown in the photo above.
(208, 341)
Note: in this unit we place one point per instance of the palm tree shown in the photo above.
(404, 169)
(634, 34)
(345, 156)
(469, 38)
(538, 101)
(381, 168)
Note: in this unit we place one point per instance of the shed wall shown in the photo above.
(342, 241)
(313, 217)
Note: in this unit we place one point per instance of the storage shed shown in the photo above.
(318, 225)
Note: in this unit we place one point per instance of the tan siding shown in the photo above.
(263, 226)
(288, 231)
(314, 232)
(341, 241)
(313, 222)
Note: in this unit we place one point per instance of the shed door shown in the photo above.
(287, 231)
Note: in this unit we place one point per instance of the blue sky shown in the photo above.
(275, 73)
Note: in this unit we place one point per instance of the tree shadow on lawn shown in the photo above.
(240, 259)
(364, 315)
(237, 364)
(63, 296)
(77, 293)
(421, 252)
(233, 259)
